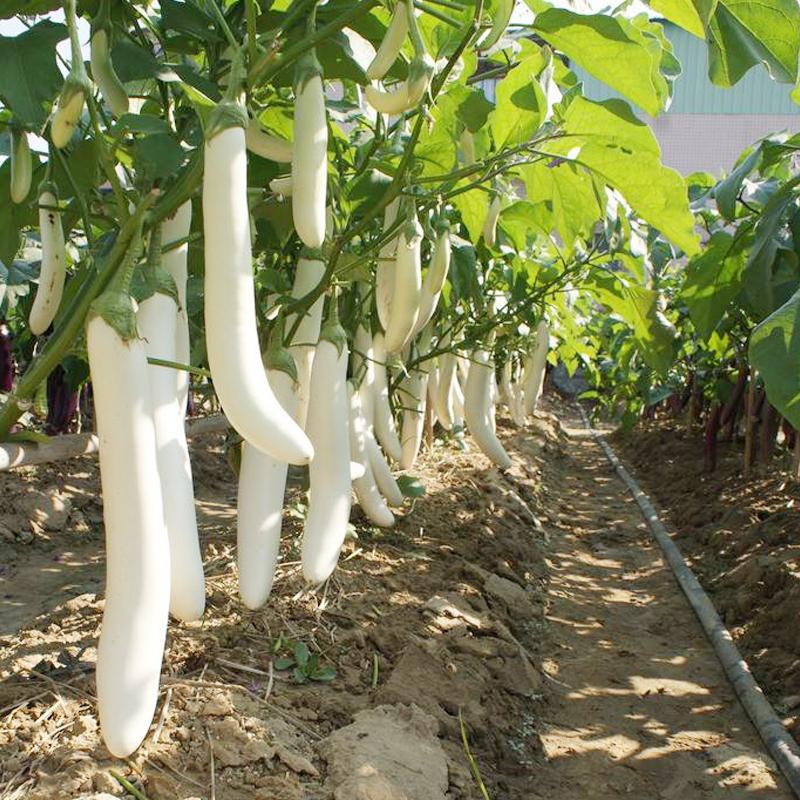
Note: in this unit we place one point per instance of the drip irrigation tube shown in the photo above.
(777, 739)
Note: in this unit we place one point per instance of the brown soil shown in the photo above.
(593, 682)
(639, 704)
(444, 612)
(742, 539)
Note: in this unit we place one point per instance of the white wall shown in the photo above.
(713, 142)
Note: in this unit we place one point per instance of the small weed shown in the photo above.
(304, 664)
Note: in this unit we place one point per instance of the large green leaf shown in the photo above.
(775, 353)
(472, 205)
(569, 190)
(638, 307)
(773, 216)
(609, 140)
(524, 219)
(188, 18)
(743, 33)
(520, 102)
(613, 50)
(10, 8)
(727, 190)
(29, 77)
(713, 279)
(691, 15)
(436, 150)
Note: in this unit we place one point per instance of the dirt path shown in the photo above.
(640, 705)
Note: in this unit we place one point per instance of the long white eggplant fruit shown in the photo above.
(157, 320)
(382, 418)
(309, 273)
(479, 409)
(262, 485)
(367, 494)
(234, 354)
(329, 496)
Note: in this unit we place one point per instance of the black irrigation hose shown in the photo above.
(780, 744)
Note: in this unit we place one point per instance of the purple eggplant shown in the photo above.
(6, 360)
(62, 402)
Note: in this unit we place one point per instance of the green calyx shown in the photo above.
(115, 305)
(77, 82)
(102, 20)
(117, 309)
(413, 30)
(155, 279)
(412, 230)
(231, 111)
(77, 71)
(333, 332)
(228, 114)
(312, 253)
(308, 67)
(48, 186)
(278, 358)
(420, 71)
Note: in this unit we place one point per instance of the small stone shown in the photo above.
(513, 596)
(7, 535)
(296, 762)
(219, 705)
(518, 676)
(49, 509)
(103, 783)
(79, 523)
(98, 796)
(457, 608)
(480, 646)
(387, 753)
(368, 787)
(26, 536)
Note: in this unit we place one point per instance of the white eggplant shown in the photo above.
(443, 401)
(234, 354)
(407, 288)
(104, 75)
(537, 362)
(479, 409)
(53, 270)
(310, 154)
(307, 276)
(434, 281)
(502, 16)
(390, 45)
(382, 418)
(367, 494)
(387, 484)
(405, 95)
(176, 229)
(262, 485)
(385, 271)
(21, 167)
(267, 145)
(134, 625)
(157, 319)
(282, 186)
(412, 393)
(329, 496)
(490, 224)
